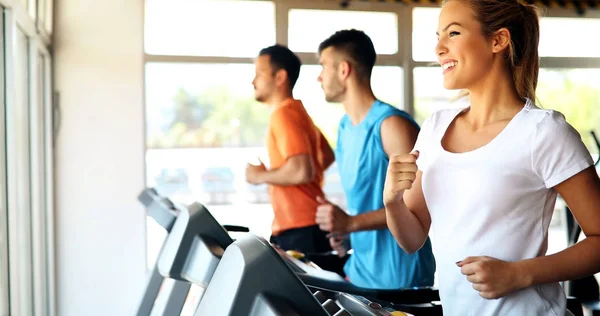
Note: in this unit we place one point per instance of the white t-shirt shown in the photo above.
(497, 201)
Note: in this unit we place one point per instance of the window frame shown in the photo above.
(41, 176)
(4, 264)
(18, 174)
(23, 16)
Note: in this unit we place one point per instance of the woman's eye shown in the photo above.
(454, 33)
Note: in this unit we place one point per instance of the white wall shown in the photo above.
(100, 226)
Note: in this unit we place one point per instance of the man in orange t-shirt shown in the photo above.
(298, 154)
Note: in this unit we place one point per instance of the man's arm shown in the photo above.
(293, 144)
(398, 136)
(328, 155)
(296, 170)
(369, 221)
(333, 219)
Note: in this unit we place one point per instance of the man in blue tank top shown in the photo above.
(369, 133)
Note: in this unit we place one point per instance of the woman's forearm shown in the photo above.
(409, 232)
(575, 262)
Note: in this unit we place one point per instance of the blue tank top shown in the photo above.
(377, 262)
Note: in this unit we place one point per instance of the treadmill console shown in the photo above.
(159, 208)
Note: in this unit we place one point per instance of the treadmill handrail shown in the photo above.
(236, 228)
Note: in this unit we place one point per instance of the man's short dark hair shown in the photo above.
(282, 57)
(357, 46)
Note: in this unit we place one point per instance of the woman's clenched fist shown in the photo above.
(401, 173)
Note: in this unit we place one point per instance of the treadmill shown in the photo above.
(163, 211)
(254, 279)
(189, 255)
(196, 243)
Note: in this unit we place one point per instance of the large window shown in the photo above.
(202, 123)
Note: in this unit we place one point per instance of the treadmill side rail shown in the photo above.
(152, 288)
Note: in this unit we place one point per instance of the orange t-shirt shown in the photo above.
(292, 132)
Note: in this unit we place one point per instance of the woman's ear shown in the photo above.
(501, 40)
